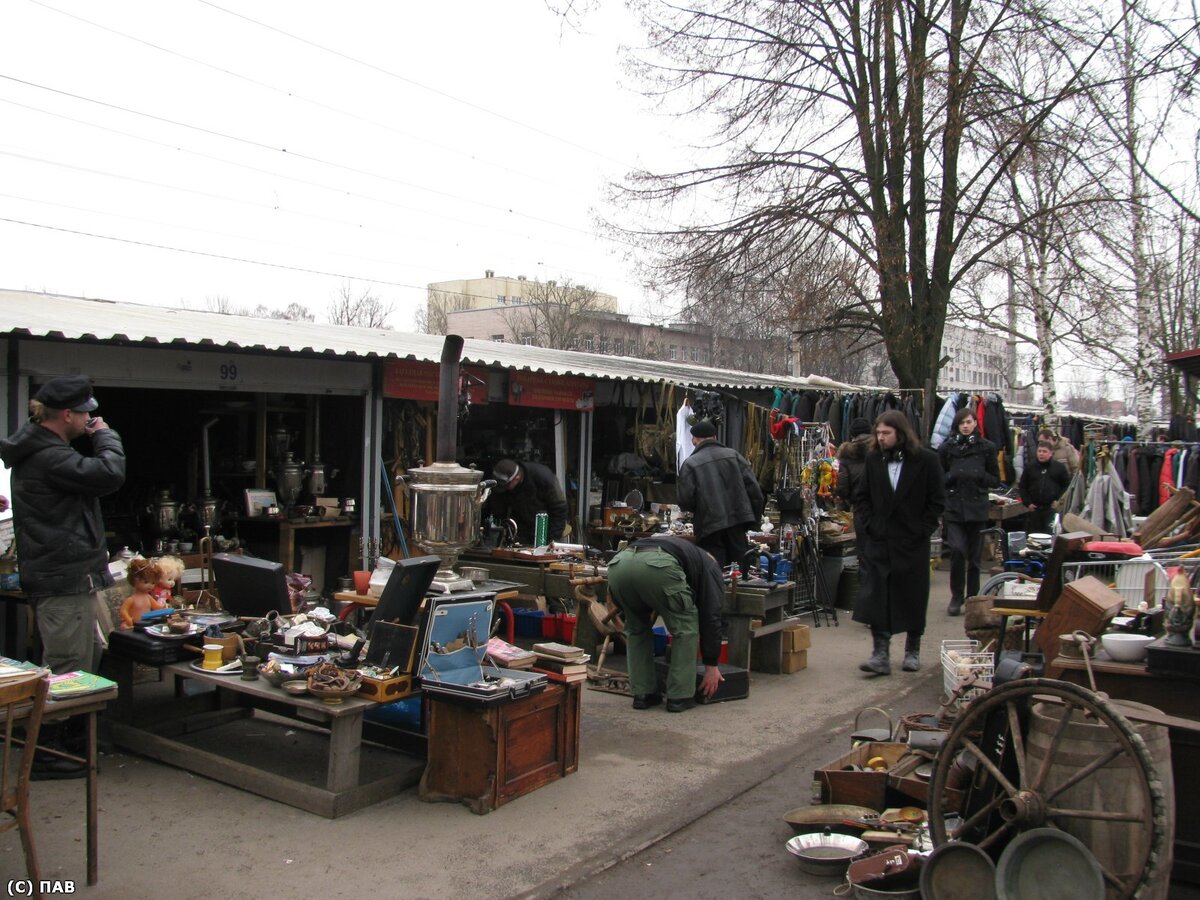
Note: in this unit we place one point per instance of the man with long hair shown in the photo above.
(899, 500)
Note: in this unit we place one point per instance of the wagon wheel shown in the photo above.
(1030, 802)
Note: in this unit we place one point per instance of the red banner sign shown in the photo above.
(550, 391)
(414, 380)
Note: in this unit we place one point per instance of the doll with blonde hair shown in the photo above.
(170, 574)
(143, 576)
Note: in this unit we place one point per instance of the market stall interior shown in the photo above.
(219, 460)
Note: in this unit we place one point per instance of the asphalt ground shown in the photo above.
(650, 785)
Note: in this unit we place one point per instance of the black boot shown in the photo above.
(912, 652)
(880, 661)
(956, 607)
(47, 766)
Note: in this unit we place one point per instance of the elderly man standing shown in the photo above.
(56, 495)
(718, 487)
(899, 498)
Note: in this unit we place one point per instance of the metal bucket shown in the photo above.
(1113, 788)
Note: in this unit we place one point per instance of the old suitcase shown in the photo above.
(736, 685)
(453, 645)
(150, 650)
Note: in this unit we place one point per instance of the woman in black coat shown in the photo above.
(971, 470)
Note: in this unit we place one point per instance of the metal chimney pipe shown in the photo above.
(447, 429)
(206, 463)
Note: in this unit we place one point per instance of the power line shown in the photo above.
(229, 258)
(295, 154)
(417, 84)
(293, 95)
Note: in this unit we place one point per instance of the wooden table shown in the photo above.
(87, 705)
(1179, 697)
(1004, 512)
(744, 602)
(342, 791)
(252, 527)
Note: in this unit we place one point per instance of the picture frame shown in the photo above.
(257, 501)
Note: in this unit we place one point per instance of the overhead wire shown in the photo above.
(293, 95)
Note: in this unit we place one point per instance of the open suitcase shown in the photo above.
(455, 634)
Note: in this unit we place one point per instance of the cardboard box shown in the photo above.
(796, 638)
(840, 784)
(1087, 604)
(793, 661)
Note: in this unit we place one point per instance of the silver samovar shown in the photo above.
(446, 498)
(166, 513)
(289, 479)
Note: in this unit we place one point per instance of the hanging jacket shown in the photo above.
(945, 419)
(1166, 479)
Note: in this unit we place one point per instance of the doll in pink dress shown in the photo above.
(144, 576)
(170, 573)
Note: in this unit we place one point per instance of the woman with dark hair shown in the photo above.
(971, 470)
(899, 499)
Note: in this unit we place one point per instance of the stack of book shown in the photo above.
(560, 662)
(509, 656)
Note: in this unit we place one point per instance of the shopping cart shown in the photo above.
(1138, 579)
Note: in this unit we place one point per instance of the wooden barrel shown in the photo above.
(1118, 845)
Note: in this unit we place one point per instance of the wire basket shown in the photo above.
(964, 664)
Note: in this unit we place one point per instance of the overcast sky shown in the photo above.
(391, 143)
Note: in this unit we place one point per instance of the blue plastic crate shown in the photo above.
(660, 640)
(528, 622)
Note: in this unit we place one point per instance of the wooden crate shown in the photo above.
(867, 789)
(386, 690)
(793, 661)
(796, 638)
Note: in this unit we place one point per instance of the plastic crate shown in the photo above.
(528, 622)
(958, 669)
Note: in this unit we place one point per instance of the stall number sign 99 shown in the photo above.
(229, 372)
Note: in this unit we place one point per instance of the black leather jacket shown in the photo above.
(56, 495)
(717, 485)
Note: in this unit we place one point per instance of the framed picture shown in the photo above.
(257, 501)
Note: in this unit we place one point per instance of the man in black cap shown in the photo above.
(56, 495)
(524, 489)
(717, 486)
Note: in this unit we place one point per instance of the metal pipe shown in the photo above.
(204, 454)
(447, 428)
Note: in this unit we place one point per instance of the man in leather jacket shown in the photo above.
(718, 487)
(56, 495)
(524, 489)
(1042, 483)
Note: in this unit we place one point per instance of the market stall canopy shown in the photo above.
(55, 317)
(1187, 361)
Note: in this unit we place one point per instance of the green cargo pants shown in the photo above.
(644, 583)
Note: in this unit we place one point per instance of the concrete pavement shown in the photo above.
(643, 776)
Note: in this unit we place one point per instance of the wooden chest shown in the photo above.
(486, 756)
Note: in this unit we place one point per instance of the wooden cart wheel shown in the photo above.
(1029, 800)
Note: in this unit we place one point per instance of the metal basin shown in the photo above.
(826, 853)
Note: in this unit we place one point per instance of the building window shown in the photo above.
(672, 352)
(618, 346)
(588, 344)
(695, 354)
(527, 340)
(500, 298)
(603, 343)
(632, 349)
(498, 338)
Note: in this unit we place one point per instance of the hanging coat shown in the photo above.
(898, 525)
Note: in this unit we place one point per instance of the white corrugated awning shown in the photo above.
(55, 317)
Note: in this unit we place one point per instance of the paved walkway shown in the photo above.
(642, 776)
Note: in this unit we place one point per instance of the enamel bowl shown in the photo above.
(1126, 647)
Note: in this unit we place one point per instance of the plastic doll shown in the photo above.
(170, 573)
(143, 575)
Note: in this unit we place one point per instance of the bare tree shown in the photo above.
(363, 310)
(554, 314)
(294, 312)
(845, 122)
(438, 304)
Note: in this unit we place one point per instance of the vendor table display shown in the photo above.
(342, 790)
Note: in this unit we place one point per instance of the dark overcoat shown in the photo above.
(899, 524)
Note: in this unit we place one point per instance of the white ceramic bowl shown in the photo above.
(1126, 647)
